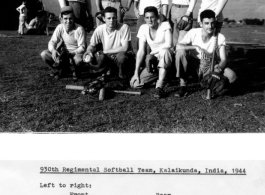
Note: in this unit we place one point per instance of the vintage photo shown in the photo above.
(132, 66)
(132, 177)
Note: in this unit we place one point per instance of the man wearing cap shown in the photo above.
(81, 9)
(73, 44)
(110, 47)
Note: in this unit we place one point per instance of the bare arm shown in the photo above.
(139, 59)
(165, 10)
(223, 62)
(18, 9)
(168, 42)
(129, 4)
(191, 7)
(136, 8)
(220, 6)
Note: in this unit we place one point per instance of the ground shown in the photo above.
(30, 101)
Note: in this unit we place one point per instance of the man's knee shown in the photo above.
(180, 53)
(122, 57)
(230, 74)
(78, 59)
(44, 55)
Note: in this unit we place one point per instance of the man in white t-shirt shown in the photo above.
(180, 9)
(140, 5)
(199, 43)
(110, 47)
(158, 36)
(217, 6)
(73, 38)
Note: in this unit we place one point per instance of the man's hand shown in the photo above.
(124, 10)
(134, 78)
(136, 12)
(55, 55)
(217, 68)
(87, 57)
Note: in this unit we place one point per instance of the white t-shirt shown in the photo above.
(194, 37)
(144, 35)
(111, 40)
(212, 5)
(156, 3)
(74, 41)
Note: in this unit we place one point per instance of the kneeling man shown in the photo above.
(110, 47)
(197, 46)
(73, 42)
(158, 36)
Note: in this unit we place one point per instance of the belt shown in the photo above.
(180, 6)
(112, 0)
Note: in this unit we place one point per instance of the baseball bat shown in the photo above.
(74, 87)
(209, 91)
(101, 95)
(81, 88)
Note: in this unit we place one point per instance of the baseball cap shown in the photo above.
(66, 9)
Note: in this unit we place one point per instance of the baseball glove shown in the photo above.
(185, 23)
(99, 16)
(93, 86)
(214, 81)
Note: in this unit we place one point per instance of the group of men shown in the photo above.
(163, 40)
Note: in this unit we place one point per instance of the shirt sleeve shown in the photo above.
(81, 41)
(166, 26)
(141, 33)
(126, 34)
(56, 37)
(221, 40)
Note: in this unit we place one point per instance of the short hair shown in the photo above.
(207, 14)
(66, 10)
(109, 10)
(151, 9)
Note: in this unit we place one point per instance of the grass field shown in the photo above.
(30, 101)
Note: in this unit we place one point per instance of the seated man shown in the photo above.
(199, 44)
(158, 36)
(73, 37)
(110, 46)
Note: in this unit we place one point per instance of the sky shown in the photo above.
(235, 9)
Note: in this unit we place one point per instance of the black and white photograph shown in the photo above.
(132, 66)
(132, 177)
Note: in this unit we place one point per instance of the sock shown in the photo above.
(160, 84)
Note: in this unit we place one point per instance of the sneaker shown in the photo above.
(181, 92)
(159, 93)
(55, 75)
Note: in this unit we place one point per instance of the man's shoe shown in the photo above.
(181, 92)
(159, 93)
(74, 76)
